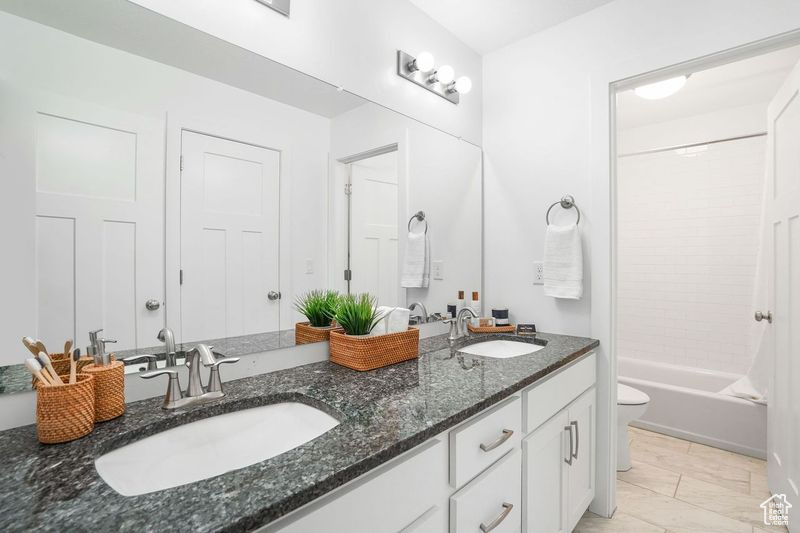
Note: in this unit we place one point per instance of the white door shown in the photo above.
(229, 238)
(581, 472)
(99, 223)
(783, 213)
(544, 477)
(373, 216)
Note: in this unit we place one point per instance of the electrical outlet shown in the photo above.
(538, 273)
(437, 269)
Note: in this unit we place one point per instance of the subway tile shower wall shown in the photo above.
(688, 246)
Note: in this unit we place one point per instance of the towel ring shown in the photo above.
(420, 216)
(566, 202)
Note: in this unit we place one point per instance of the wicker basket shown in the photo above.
(109, 390)
(492, 329)
(305, 333)
(360, 352)
(61, 364)
(65, 412)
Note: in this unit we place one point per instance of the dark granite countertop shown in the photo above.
(383, 413)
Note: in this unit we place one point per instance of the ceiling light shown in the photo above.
(661, 89)
(423, 63)
(463, 85)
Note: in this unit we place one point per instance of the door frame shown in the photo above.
(231, 130)
(605, 83)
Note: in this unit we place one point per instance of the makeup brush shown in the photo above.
(35, 368)
(45, 359)
(30, 344)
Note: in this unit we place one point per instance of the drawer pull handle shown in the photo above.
(570, 455)
(486, 528)
(500, 440)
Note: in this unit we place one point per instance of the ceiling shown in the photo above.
(487, 25)
(750, 81)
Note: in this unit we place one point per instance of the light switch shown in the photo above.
(538, 273)
(437, 269)
(309, 266)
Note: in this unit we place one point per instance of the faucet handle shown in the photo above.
(172, 399)
(151, 360)
(214, 381)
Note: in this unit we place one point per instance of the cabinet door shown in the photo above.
(582, 470)
(544, 476)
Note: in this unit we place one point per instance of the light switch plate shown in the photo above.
(309, 266)
(437, 269)
(538, 273)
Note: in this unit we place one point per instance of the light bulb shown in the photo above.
(445, 74)
(463, 85)
(661, 89)
(424, 62)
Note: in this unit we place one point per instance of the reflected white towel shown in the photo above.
(563, 262)
(393, 320)
(417, 263)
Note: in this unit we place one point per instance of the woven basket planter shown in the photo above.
(360, 352)
(492, 329)
(65, 412)
(109, 390)
(305, 333)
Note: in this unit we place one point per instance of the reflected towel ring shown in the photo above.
(419, 215)
(567, 202)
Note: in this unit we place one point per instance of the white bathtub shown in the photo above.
(685, 403)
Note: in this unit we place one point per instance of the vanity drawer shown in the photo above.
(543, 400)
(479, 442)
(492, 497)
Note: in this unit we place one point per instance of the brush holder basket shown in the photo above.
(65, 412)
(109, 390)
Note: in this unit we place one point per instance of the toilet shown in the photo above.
(631, 404)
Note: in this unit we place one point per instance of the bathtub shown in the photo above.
(685, 403)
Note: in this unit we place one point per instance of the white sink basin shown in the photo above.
(500, 349)
(211, 447)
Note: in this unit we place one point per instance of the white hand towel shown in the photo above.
(417, 263)
(393, 320)
(563, 262)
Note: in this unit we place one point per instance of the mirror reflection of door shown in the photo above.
(229, 238)
(373, 214)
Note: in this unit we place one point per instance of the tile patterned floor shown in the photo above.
(677, 486)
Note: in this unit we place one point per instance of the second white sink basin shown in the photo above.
(501, 349)
(211, 447)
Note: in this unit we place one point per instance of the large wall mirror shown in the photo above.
(200, 187)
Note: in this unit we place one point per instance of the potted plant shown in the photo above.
(319, 307)
(353, 347)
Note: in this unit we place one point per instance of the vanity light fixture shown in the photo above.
(661, 89)
(284, 7)
(420, 70)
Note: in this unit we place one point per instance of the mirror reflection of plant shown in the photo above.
(318, 306)
(357, 314)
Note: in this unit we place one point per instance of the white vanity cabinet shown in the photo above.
(525, 464)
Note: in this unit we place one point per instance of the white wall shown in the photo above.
(438, 174)
(547, 133)
(47, 60)
(688, 241)
(349, 43)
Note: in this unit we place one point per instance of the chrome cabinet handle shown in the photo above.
(577, 438)
(273, 295)
(486, 528)
(500, 440)
(568, 460)
(761, 316)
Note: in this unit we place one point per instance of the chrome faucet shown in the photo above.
(197, 356)
(97, 348)
(455, 325)
(423, 312)
(168, 338)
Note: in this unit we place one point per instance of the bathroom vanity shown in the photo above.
(447, 442)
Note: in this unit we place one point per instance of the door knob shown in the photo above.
(272, 295)
(761, 316)
(152, 304)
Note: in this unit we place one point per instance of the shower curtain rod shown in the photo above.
(692, 145)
